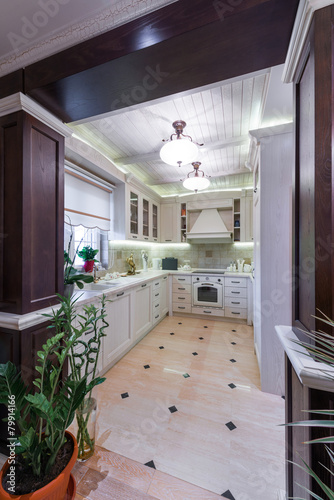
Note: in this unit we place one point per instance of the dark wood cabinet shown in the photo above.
(31, 213)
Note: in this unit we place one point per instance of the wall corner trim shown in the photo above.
(21, 102)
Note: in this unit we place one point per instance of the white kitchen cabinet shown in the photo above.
(246, 218)
(142, 310)
(118, 333)
(164, 302)
(272, 249)
(169, 223)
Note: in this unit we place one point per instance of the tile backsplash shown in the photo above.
(210, 256)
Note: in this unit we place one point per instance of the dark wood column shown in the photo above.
(313, 286)
(31, 214)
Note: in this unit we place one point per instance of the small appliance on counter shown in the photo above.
(156, 264)
(169, 263)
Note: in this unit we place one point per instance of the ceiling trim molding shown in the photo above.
(300, 30)
(21, 102)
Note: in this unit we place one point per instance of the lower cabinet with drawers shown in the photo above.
(235, 297)
(181, 294)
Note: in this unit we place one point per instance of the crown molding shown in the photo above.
(299, 34)
(20, 102)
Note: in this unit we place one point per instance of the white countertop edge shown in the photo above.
(312, 374)
(22, 322)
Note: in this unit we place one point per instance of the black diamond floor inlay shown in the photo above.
(228, 495)
(172, 409)
(146, 367)
(195, 354)
(161, 347)
(179, 323)
(233, 360)
(232, 386)
(233, 343)
(283, 397)
(172, 333)
(233, 330)
(231, 426)
(125, 395)
(201, 338)
(186, 375)
(204, 326)
(150, 464)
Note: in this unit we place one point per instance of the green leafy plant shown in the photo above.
(87, 253)
(43, 413)
(321, 349)
(72, 276)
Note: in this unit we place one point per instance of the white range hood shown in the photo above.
(209, 228)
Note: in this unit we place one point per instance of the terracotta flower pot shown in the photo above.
(88, 266)
(63, 486)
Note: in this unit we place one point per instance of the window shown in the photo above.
(83, 236)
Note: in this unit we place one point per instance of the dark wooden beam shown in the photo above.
(180, 47)
(12, 83)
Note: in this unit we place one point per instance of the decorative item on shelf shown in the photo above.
(237, 223)
(196, 182)
(144, 256)
(132, 265)
(179, 148)
(240, 263)
(45, 452)
(87, 253)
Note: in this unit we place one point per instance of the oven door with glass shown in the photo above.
(208, 293)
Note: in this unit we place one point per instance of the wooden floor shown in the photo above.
(187, 401)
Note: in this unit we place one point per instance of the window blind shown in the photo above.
(87, 202)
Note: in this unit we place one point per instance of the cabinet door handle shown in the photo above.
(235, 281)
(157, 294)
(120, 294)
(165, 277)
(145, 238)
(182, 298)
(144, 285)
(207, 312)
(235, 312)
(134, 236)
(236, 292)
(168, 240)
(181, 288)
(179, 307)
(235, 302)
(157, 283)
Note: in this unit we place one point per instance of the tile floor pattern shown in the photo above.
(195, 429)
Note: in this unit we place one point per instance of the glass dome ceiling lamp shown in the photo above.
(195, 181)
(179, 148)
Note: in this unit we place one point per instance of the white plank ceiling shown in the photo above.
(219, 116)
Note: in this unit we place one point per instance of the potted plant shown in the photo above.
(321, 349)
(72, 276)
(42, 451)
(87, 253)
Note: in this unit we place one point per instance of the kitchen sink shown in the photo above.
(98, 286)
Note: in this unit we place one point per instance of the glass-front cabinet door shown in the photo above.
(155, 222)
(146, 219)
(134, 212)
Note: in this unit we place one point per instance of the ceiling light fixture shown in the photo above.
(179, 148)
(196, 182)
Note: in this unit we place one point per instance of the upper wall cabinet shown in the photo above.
(170, 223)
(243, 217)
(136, 215)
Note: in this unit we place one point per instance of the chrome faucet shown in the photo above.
(94, 273)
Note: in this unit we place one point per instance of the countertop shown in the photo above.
(21, 322)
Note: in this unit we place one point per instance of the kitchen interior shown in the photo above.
(194, 391)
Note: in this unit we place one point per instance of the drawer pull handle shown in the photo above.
(236, 292)
(168, 240)
(181, 279)
(179, 307)
(145, 238)
(235, 302)
(157, 305)
(165, 277)
(157, 294)
(235, 312)
(134, 236)
(182, 298)
(235, 281)
(181, 288)
(157, 283)
(157, 316)
(143, 286)
(207, 312)
(120, 294)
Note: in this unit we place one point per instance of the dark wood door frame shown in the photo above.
(180, 47)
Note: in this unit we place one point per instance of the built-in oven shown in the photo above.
(208, 291)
